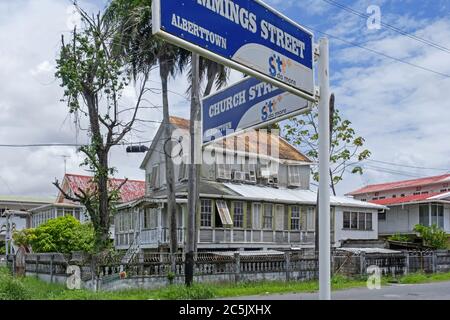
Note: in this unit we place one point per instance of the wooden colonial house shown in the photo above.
(261, 199)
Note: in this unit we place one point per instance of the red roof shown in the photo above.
(131, 190)
(402, 184)
(407, 199)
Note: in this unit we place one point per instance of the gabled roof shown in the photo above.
(254, 141)
(131, 190)
(413, 198)
(402, 184)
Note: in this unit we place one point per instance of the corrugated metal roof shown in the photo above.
(26, 199)
(248, 253)
(367, 250)
(445, 178)
(255, 141)
(131, 190)
(412, 198)
(293, 196)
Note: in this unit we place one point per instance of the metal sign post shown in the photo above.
(323, 72)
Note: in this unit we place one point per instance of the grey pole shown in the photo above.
(324, 167)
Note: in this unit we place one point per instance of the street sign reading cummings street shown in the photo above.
(247, 104)
(246, 35)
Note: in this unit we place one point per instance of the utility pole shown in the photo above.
(332, 110)
(65, 162)
(324, 172)
(195, 158)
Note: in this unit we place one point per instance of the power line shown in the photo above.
(408, 166)
(389, 26)
(37, 145)
(380, 53)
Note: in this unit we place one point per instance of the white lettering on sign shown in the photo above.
(233, 12)
(261, 89)
(227, 104)
(282, 39)
(198, 31)
(247, 20)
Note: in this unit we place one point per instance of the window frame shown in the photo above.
(204, 215)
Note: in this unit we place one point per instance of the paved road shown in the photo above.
(429, 291)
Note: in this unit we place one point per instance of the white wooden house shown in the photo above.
(423, 201)
(259, 200)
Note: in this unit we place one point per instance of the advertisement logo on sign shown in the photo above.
(270, 109)
(279, 67)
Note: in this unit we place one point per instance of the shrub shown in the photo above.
(63, 234)
(432, 236)
(11, 288)
(399, 237)
(180, 292)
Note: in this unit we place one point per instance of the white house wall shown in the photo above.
(341, 234)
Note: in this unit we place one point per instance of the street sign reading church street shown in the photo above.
(247, 104)
(246, 35)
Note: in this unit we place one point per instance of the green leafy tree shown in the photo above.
(135, 40)
(63, 234)
(93, 77)
(432, 236)
(346, 147)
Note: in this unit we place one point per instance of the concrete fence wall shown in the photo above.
(151, 271)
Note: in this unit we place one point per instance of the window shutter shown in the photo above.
(256, 216)
(224, 213)
(279, 218)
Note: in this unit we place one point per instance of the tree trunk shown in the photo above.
(170, 179)
(104, 214)
(194, 170)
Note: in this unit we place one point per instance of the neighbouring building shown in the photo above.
(71, 184)
(255, 201)
(423, 201)
(20, 206)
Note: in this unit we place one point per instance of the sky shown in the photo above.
(401, 110)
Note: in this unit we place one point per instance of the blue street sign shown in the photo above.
(244, 34)
(248, 104)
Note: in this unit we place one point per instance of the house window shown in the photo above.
(347, 217)
(224, 213)
(256, 215)
(224, 171)
(382, 216)
(437, 215)
(424, 215)
(154, 181)
(150, 218)
(268, 216)
(238, 214)
(357, 221)
(354, 221)
(311, 218)
(402, 195)
(295, 218)
(368, 221)
(206, 213)
(361, 221)
(294, 176)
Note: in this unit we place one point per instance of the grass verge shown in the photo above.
(35, 289)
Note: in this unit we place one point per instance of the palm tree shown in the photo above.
(135, 39)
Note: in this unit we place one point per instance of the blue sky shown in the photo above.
(401, 111)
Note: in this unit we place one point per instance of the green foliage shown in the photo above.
(399, 237)
(11, 288)
(2, 247)
(63, 234)
(432, 236)
(181, 292)
(346, 148)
